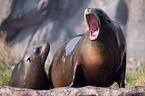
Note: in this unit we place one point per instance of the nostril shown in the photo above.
(37, 50)
(88, 9)
(47, 44)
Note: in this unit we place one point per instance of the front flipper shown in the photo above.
(120, 76)
(79, 79)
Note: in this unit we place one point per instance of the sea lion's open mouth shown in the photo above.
(93, 26)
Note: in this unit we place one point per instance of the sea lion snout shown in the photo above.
(87, 10)
(45, 48)
(93, 22)
(44, 52)
(42, 49)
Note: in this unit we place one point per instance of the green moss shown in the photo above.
(4, 80)
(136, 78)
(5, 74)
(131, 79)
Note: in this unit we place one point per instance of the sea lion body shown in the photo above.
(30, 72)
(97, 58)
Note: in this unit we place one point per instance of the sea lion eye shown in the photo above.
(29, 60)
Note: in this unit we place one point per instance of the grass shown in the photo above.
(136, 78)
(5, 79)
(6, 62)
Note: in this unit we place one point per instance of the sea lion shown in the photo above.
(30, 72)
(96, 58)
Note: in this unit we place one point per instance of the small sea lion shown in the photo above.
(30, 72)
(96, 58)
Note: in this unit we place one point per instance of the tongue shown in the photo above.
(94, 29)
(93, 23)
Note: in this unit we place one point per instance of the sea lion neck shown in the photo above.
(92, 49)
(86, 40)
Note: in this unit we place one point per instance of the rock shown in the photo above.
(84, 91)
(55, 21)
(135, 30)
(5, 9)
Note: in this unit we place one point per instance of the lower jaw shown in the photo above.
(93, 38)
(94, 34)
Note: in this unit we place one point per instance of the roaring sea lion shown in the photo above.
(96, 58)
(30, 72)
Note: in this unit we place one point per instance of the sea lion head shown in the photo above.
(96, 18)
(36, 57)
